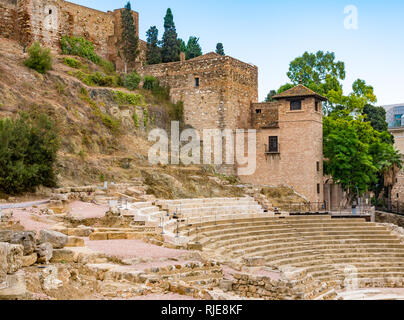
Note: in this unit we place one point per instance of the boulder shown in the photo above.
(45, 252)
(26, 239)
(57, 239)
(10, 257)
(5, 235)
(29, 260)
(16, 287)
(75, 242)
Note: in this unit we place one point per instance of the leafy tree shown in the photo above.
(182, 45)
(220, 49)
(376, 116)
(193, 48)
(130, 42)
(153, 53)
(40, 59)
(27, 153)
(170, 50)
(269, 97)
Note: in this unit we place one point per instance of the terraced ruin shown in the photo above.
(97, 243)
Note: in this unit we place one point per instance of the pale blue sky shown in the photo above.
(270, 34)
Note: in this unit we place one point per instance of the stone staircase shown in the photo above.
(342, 252)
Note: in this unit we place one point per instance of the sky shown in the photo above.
(270, 34)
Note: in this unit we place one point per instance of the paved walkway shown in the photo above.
(23, 204)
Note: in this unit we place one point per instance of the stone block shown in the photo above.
(29, 260)
(26, 239)
(75, 242)
(45, 252)
(16, 287)
(62, 255)
(57, 239)
(98, 236)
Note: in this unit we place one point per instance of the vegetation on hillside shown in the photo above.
(39, 59)
(27, 153)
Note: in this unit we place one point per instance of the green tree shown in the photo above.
(269, 97)
(28, 152)
(376, 116)
(170, 49)
(153, 53)
(182, 45)
(39, 59)
(130, 41)
(193, 48)
(220, 49)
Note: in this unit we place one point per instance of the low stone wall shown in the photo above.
(385, 217)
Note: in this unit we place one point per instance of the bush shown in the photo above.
(124, 98)
(132, 81)
(78, 46)
(150, 82)
(97, 79)
(39, 58)
(177, 111)
(27, 153)
(71, 62)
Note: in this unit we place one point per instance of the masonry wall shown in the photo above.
(9, 19)
(300, 135)
(222, 100)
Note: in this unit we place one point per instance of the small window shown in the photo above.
(318, 188)
(318, 166)
(50, 11)
(273, 145)
(398, 196)
(197, 82)
(258, 111)
(296, 105)
(316, 106)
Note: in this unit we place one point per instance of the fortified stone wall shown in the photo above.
(47, 21)
(223, 95)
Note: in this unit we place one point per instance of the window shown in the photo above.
(318, 188)
(318, 166)
(296, 105)
(50, 11)
(197, 82)
(258, 111)
(316, 106)
(273, 145)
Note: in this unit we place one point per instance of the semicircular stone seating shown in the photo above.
(341, 252)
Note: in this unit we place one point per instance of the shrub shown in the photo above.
(78, 46)
(71, 62)
(177, 111)
(132, 81)
(39, 58)
(97, 79)
(124, 98)
(27, 153)
(149, 82)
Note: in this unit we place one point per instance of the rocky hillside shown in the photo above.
(103, 129)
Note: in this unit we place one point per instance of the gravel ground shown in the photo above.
(133, 249)
(80, 209)
(24, 216)
(163, 297)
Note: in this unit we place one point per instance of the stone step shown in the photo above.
(340, 248)
(274, 224)
(260, 242)
(309, 258)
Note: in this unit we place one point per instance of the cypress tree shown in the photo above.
(170, 51)
(220, 49)
(153, 54)
(130, 41)
(193, 48)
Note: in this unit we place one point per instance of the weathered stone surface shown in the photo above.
(5, 235)
(29, 260)
(62, 255)
(16, 287)
(10, 257)
(57, 239)
(49, 278)
(75, 242)
(45, 252)
(26, 239)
